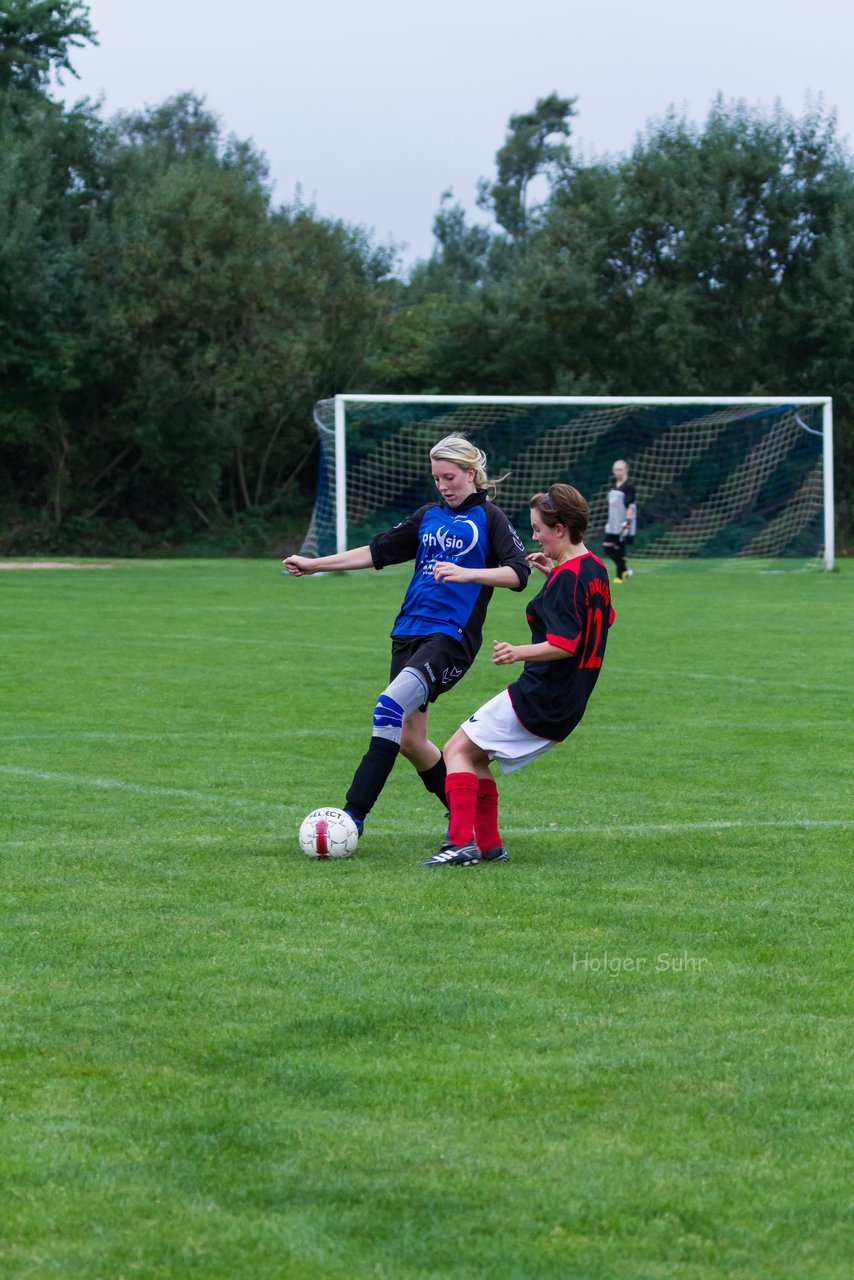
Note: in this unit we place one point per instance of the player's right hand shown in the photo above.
(298, 565)
(503, 653)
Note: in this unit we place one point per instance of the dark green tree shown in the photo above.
(713, 246)
(225, 319)
(48, 187)
(529, 149)
(36, 40)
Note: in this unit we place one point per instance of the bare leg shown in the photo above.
(464, 756)
(415, 744)
(424, 755)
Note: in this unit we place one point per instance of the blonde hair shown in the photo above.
(465, 454)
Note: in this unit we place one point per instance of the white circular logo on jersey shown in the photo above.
(453, 541)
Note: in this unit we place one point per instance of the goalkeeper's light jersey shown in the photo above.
(573, 611)
(620, 498)
(476, 534)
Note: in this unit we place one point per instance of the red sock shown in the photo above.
(461, 790)
(486, 815)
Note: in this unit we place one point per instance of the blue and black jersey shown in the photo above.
(476, 534)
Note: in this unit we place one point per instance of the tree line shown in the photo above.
(165, 328)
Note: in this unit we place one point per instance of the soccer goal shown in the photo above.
(749, 476)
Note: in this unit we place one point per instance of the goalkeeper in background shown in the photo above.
(621, 525)
(463, 547)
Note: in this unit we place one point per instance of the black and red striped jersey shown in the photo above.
(572, 611)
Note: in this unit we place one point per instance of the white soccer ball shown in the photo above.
(328, 833)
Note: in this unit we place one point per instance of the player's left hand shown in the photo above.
(503, 653)
(539, 560)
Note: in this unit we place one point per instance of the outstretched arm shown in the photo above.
(357, 558)
(502, 576)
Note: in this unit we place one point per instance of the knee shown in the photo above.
(388, 717)
(411, 741)
(458, 751)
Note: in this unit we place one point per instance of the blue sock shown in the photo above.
(360, 825)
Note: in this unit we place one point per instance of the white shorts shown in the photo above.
(496, 729)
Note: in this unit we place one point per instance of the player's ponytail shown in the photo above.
(466, 454)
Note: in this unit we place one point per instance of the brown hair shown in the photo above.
(561, 504)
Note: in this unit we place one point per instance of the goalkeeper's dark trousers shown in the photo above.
(616, 548)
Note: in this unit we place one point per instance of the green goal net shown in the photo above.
(713, 478)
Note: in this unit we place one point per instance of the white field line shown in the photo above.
(49, 564)
(309, 642)
(618, 830)
(114, 784)
(224, 736)
(670, 674)
(159, 637)
(423, 835)
(203, 639)
(142, 637)
(647, 828)
(214, 735)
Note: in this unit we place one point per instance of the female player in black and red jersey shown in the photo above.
(569, 621)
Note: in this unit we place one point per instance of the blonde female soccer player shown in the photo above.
(463, 547)
(569, 621)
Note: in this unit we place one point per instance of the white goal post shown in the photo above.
(714, 475)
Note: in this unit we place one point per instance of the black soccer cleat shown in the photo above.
(454, 855)
(498, 854)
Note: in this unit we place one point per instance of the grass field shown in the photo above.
(625, 1054)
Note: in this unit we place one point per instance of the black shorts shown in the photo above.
(614, 540)
(440, 659)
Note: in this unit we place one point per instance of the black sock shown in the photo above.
(618, 554)
(434, 780)
(371, 776)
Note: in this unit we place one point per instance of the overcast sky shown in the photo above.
(375, 108)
